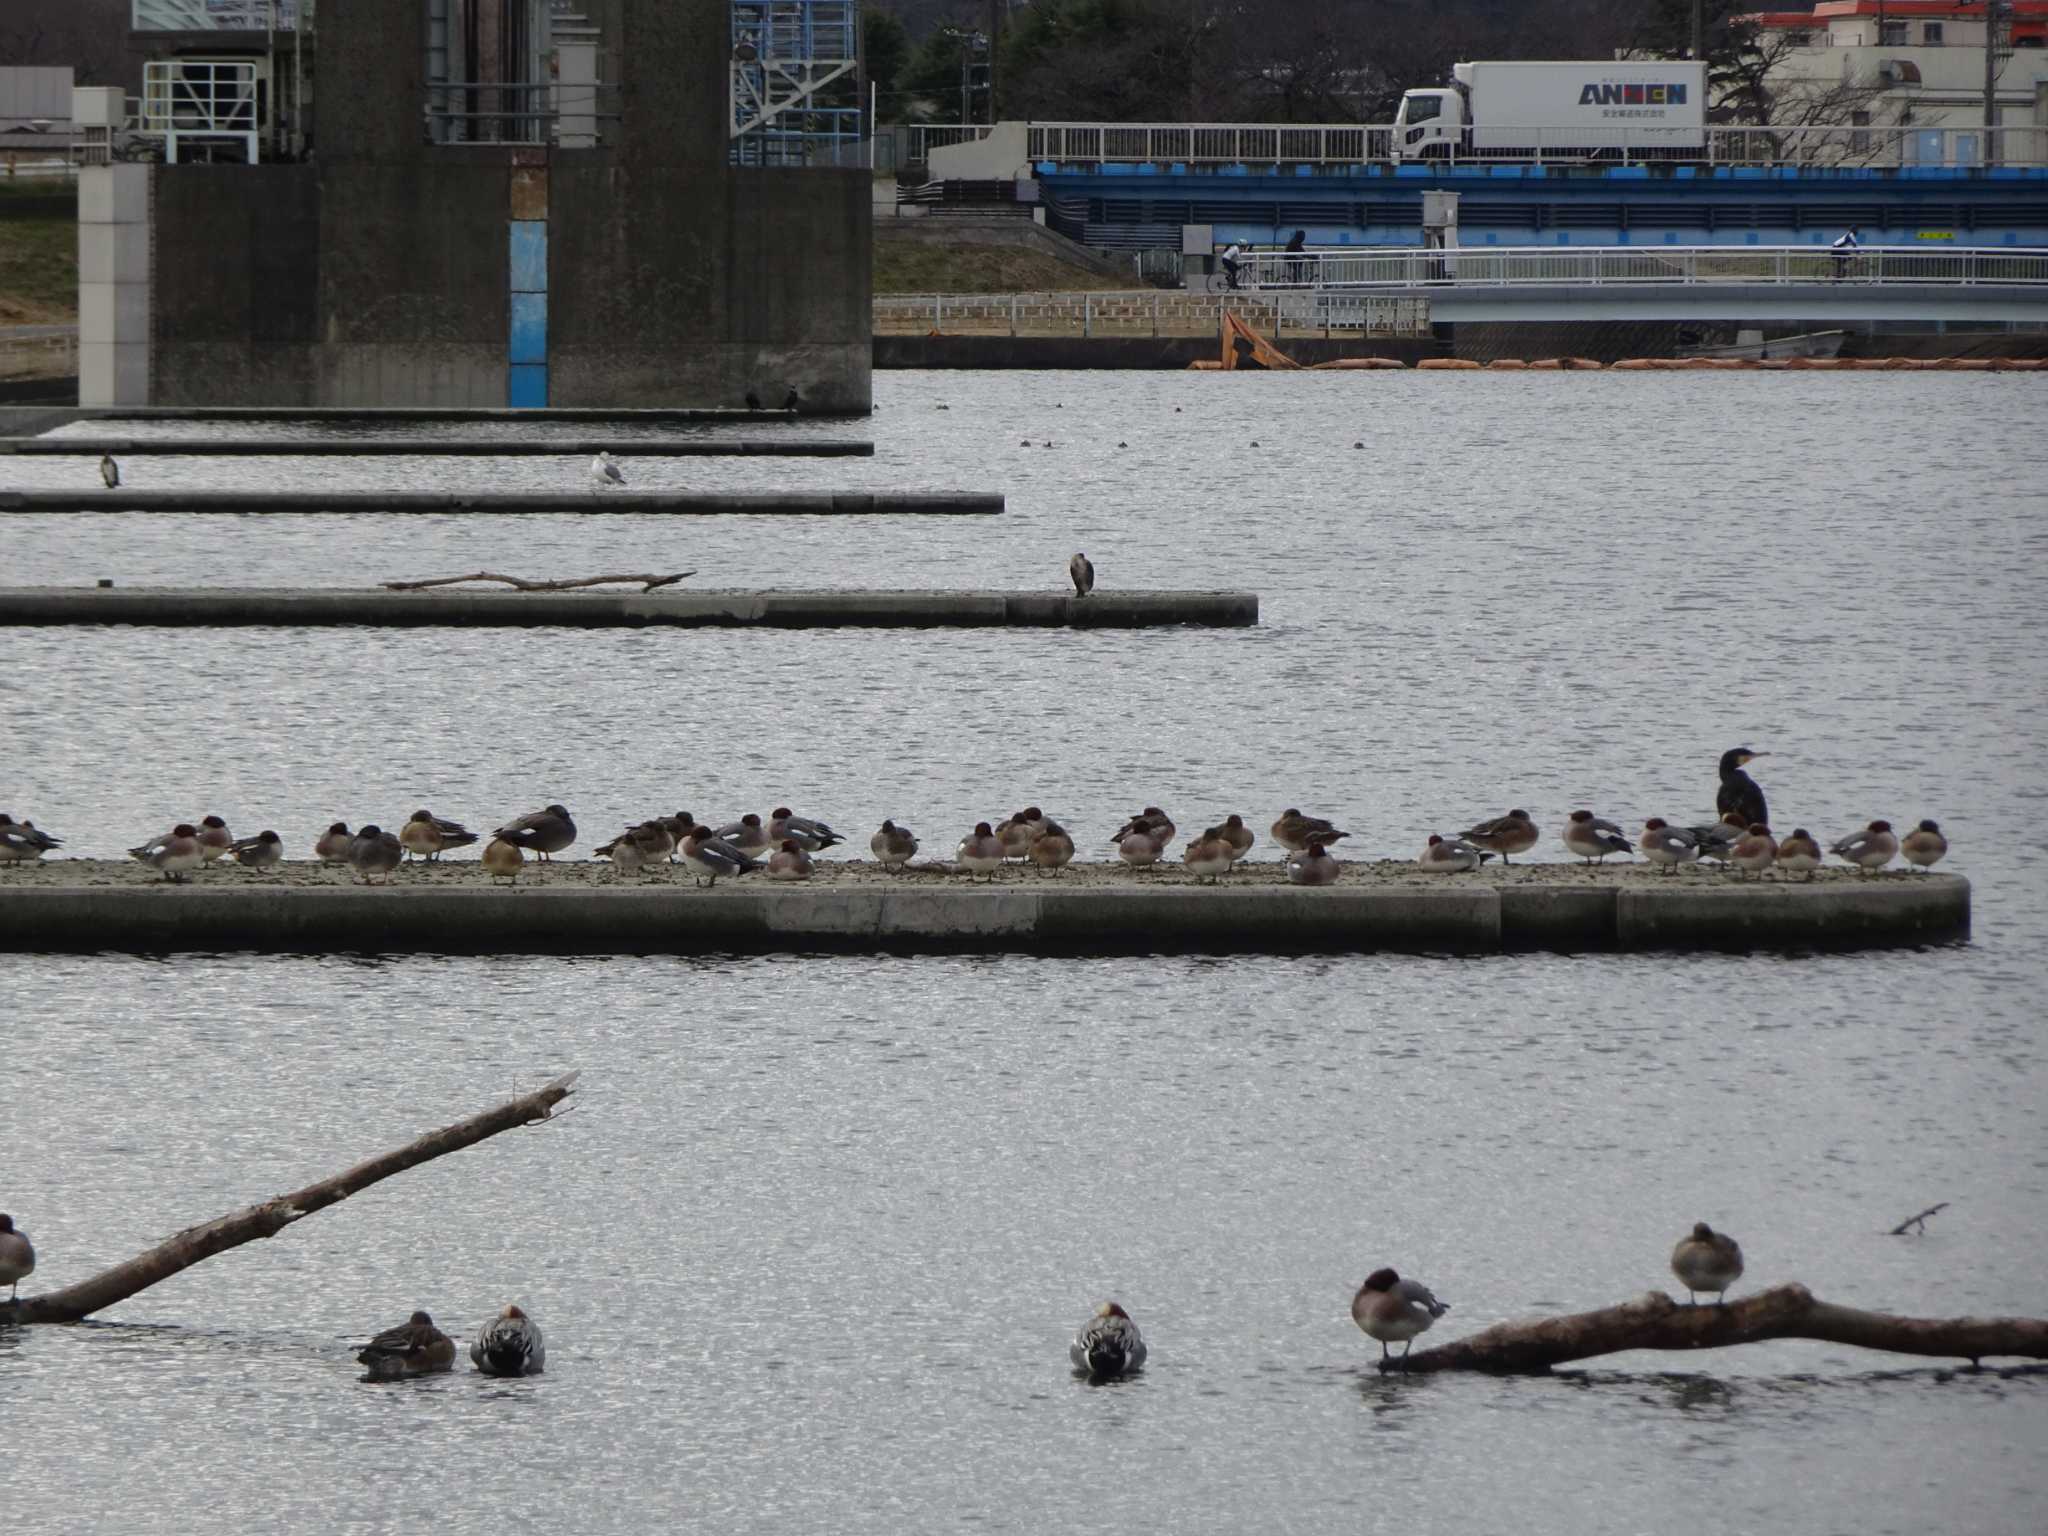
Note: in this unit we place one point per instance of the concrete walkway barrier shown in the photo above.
(502, 503)
(51, 909)
(429, 447)
(496, 608)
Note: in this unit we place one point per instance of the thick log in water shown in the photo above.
(271, 1217)
(1655, 1321)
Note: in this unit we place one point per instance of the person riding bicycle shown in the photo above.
(1233, 258)
(1845, 248)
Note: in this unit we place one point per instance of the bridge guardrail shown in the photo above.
(1480, 266)
(1149, 314)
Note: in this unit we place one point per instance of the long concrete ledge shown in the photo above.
(222, 607)
(327, 413)
(671, 503)
(1022, 915)
(497, 448)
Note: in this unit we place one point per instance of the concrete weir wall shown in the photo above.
(1453, 918)
(643, 271)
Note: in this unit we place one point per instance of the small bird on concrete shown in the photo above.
(214, 838)
(1081, 571)
(1591, 838)
(604, 474)
(1053, 849)
(789, 862)
(1739, 792)
(980, 851)
(1755, 852)
(1394, 1310)
(22, 843)
(429, 836)
(1294, 831)
(1152, 820)
(1924, 846)
(1870, 849)
(1799, 854)
(1706, 1260)
(110, 472)
(503, 860)
(746, 835)
(1313, 865)
(792, 401)
(261, 853)
(1108, 1345)
(707, 856)
(1238, 835)
(1143, 845)
(1450, 856)
(1209, 856)
(1667, 846)
(509, 1345)
(635, 849)
(1504, 835)
(543, 832)
(414, 1348)
(176, 853)
(1715, 839)
(753, 401)
(809, 835)
(893, 846)
(373, 852)
(17, 1255)
(331, 846)
(1020, 831)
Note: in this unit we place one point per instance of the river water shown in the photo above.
(809, 1248)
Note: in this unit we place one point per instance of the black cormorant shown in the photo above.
(1739, 792)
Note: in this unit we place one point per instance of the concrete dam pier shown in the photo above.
(501, 503)
(306, 607)
(570, 909)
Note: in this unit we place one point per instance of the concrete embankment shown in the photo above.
(429, 447)
(500, 503)
(1094, 911)
(307, 607)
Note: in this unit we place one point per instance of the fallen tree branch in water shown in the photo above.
(1655, 1321)
(271, 1217)
(1917, 1223)
(648, 582)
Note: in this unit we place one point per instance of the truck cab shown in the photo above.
(1430, 124)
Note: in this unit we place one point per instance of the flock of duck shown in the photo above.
(783, 845)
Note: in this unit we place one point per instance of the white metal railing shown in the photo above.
(1352, 144)
(1148, 313)
(926, 137)
(1479, 266)
(203, 99)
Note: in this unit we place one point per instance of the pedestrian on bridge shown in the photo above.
(1845, 249)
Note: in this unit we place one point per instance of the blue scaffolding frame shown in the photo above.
(795, 66)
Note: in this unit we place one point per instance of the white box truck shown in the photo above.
(1597, 109)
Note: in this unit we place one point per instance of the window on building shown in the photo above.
(1931, 34)
(1891, 34)
(1859, 140)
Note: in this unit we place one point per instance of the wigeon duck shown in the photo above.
(176, 853)
(331, 846)
(1667, 846)
(503, 860)
(1924, 846)
(428, 836)
(637, 848)
(1238, 835)
(677, 827)
(1312, 866)
(1870, 849)
(509, 1345)
(789, 862)
(1019, 831)
(1209, 856)
(1442, 856)
(1053, 848)
(1504, 835)
(17, 1255)
(1141, 847)
(1294, 831)
(22, 843)
(1716, 838)
(1108, 1344)
(1394, 1310)
(374, 852)
(893, 846)
(214, 838)
(1592, 838)
(1739, 792)
(1152, 820)
(747, 835)
(262, 853)
(1756, 852)
(981, 851)
(811, 836)
(707, 856)
(1799, 854)
(544, 832)
(414, 1348)
(1081, 572)
(1706, 1260)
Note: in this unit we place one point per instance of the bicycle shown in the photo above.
(1221, 281)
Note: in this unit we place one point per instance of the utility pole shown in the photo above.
(996, 9)
(1991, 8)
(1699, 29)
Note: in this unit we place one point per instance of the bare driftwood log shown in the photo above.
(648, 582)
(1655, 1321)
(1917, 1223)
(272, 1216)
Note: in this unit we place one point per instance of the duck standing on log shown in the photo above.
(1739, 792)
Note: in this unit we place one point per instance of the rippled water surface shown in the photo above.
(810, 1246)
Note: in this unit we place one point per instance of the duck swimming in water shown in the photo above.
(509, 1345)
(1739, 792)
(414, 1348)
(1108, 1345)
